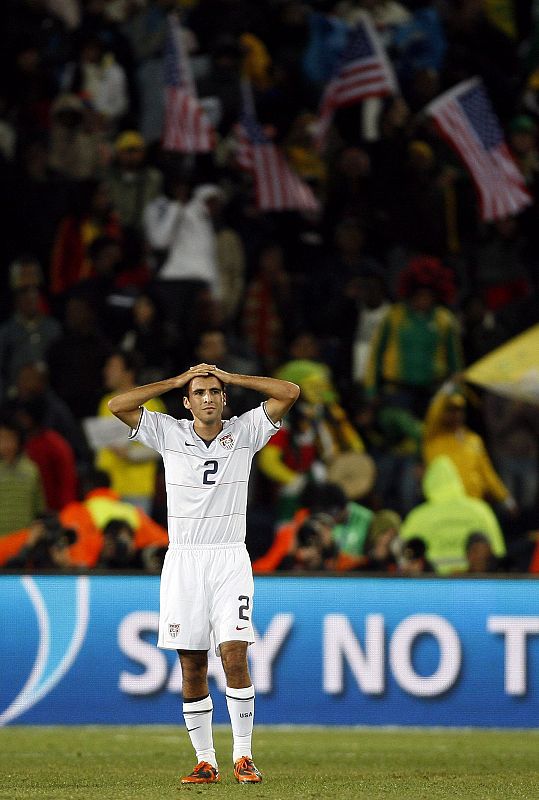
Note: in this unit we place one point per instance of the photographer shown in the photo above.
(119, 550)
(47, 546)
(315, 549)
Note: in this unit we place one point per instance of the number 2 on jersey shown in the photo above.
(211, 470)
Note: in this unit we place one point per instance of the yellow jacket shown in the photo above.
(128, 478)
(466, 450)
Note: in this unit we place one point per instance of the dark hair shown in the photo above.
(323, 497)
(100, 244)
(35, 408)
(132, 360)
(185, 389)
(95, 479)
(116, 526)
(474, 538)
(415, 547)
(9, 423)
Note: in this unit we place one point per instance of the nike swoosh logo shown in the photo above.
(242, 629)
(188, 444)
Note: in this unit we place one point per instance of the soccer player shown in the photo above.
(207, 581)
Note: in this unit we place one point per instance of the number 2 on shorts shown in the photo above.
(244, 607)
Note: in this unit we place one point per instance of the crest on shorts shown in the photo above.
(227, 441)
(173, 629)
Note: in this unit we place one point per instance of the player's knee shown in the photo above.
(234, 659)
(194, 665)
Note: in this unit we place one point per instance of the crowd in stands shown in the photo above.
(122, 263)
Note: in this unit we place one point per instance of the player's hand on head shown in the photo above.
(223, 376)
(202, 368)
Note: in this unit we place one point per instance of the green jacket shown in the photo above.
(351, 535)
(414, 349)
(448, 517)
(21, 494)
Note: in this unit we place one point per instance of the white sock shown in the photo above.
(198, 719)
(241, 707)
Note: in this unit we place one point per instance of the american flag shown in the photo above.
(465, 118)
(277, 187)
(363, 71)
(187, 128)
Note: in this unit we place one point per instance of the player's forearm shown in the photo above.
(134, 398)
(271, 387)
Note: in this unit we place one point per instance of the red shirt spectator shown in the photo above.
(52, 454)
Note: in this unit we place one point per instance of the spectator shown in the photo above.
(119, 551)
(100, 290)
(231, 270)
(523, 144)
(33, 384)
(413, 560)
(314, 433)
(513, 436)
(383, 545)
(99, 506)
(93, 218)
(483, 330)
(44, 196)
(393, 438)
(26, 336)
(372, 306)
(76, 143)
(21, 490)
(77, 358)
(501, 269)
(447, 434)
(315, 549)
(417, 345)
(266, 308)
(46, 546)
(448, 516)
(185, 230)
(51, 453)
(479, 555)
(131, 182)
(97, 76)
(349, 528)
(26, 273)
(148, 335)
(132, 466)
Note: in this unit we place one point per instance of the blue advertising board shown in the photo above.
(329, 650)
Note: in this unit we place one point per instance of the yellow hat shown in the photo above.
(420, 148)
(456, 400)
(129, 140)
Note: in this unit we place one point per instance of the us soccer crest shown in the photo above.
(227, 441)
(173, 629)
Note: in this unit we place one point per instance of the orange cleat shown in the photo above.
(245, 771)
(202, 773)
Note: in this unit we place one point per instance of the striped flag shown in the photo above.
(187, 128)
(465, 118)
(363, 71)
(277, 187)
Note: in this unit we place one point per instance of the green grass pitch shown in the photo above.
(144, 763)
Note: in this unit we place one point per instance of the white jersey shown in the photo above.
(206, 484)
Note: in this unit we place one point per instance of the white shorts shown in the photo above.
(206, 594)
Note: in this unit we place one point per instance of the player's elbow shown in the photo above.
(294, 391)
(114, 405)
